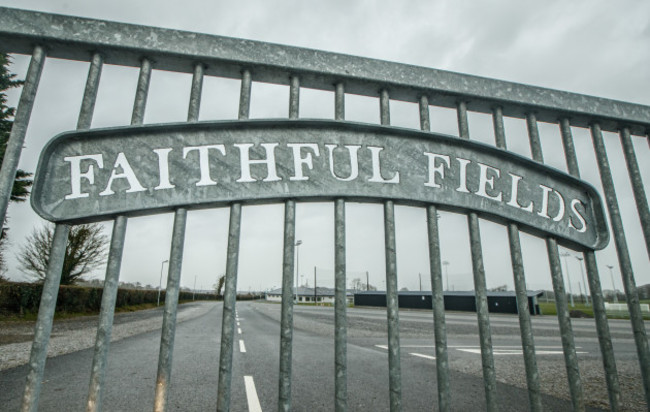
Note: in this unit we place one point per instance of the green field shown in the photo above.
(548, 308)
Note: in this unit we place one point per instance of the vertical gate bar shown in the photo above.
(463, 123)
(392, 313)
(340, 267)
(294, 97)
(637, 185)
(392, 299)
(340, 320)
(111, 282)
(499, 128)
(339, 102)
(384, 107)
(229, 301)
(195, 93)
(523, 310)
(425, 118)
(245, 95)
(487, 358)
(627, 274)
(569, 148)
(566, 331)
(171, 308)
(44, 321)
(533, 137)
(438, 303)
(232, 264)
(168, 331)
(286, 325)
(109, 294)
(19, 130)
(604, 337)
(593, 278)
(141, 92)
(90, 92)
(437, 298)
(105, 326)
(564, 320)
(527, 340)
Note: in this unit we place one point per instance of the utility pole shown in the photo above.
(315, 287)
(194, 292)
(367, 282)
(420, 276)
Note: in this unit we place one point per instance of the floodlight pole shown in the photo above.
(568, 278)
(611, 274)
(160, 281)
(582, 272)
(446, 263)
(298, 243)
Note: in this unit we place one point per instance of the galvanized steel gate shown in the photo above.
(46, 35)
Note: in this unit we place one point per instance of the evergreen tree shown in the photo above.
(20, 190)
(23, 181)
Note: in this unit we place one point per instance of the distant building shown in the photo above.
(309, 295)
(498, 302)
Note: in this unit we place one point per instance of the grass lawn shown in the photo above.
(548, 308)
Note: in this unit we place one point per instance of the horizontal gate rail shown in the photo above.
(45, 36)
(125, 44)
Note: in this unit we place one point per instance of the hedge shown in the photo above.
(21, 298)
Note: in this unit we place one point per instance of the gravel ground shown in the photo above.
(70, 335)
(509, 370)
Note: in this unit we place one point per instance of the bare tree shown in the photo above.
(84, 252)
(358, 284)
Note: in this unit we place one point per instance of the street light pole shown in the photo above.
(162, 265)
(611, 274)
(298, 243)
(446, 263)
(568, 278)
(582, 272)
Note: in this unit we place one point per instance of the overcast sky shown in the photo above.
(599, 48)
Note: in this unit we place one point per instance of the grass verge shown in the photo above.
(583, 310)
(31, 316)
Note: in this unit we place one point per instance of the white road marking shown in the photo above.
(423, 356)
(239, 330)
(242, 347)
(515, 351)
(251, 395)
(496, 350)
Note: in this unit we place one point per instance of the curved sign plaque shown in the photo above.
(92, 175)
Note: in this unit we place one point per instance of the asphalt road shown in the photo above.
(133, 363)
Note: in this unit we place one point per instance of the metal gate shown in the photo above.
(98, 42)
